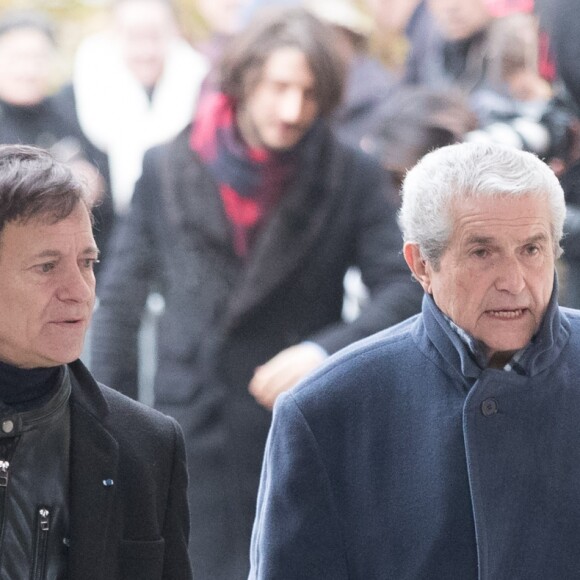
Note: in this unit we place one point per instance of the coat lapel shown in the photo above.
(93, 473)
(291, 232)
(192, 196)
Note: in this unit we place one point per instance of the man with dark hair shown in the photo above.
(93, 484)
(247, 223)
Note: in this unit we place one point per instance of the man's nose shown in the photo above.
(510, 276)
(77, 285)
(292, 106)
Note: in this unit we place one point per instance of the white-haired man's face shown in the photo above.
(496, 277)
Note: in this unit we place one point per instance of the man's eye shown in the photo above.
(532, 250)
(278, 87)
(480, 253)
(45, 268)
(89, 263)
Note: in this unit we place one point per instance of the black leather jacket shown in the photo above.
(34, 475)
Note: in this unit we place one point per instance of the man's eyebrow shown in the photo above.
(483, 240)
(48, 254)
(536, 238)
(88, 251)
(91, 251)
(490, 241)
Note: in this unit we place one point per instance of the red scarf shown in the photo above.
(251, 180)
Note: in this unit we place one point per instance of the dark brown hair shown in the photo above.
(33, 185)
(243, 60)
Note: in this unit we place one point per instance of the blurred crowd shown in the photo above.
(420, 73)
(417, 75)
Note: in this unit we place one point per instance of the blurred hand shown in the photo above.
(283, 371)
(526, 85)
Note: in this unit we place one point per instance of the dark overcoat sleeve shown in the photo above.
(378, 244)
(128, 276)
(176, 526)
(128, 488)
(173, 510)
(297, 531)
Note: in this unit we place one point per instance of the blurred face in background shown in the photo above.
(460, 19)
(222, 16)
(282, 106)
(392, 15)
(26, 64)
(144, 30)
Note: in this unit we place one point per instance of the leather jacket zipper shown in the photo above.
(4, 465)
(41, 543)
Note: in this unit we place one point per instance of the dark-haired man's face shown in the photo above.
(47, 289)
(282, 106)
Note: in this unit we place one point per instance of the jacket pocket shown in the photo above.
(42, 529)
(141, 560)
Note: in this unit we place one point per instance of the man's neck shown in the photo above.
(498, 360)
(22, 387)
(480, 351)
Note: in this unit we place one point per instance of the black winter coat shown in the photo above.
(225, 316)
(134, 527)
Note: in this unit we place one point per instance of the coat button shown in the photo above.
(489, 407)
(8, 426)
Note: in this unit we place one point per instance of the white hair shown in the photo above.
(472, 170)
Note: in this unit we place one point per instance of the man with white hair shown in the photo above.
(447, 446)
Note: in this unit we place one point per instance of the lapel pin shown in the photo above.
(108, 482)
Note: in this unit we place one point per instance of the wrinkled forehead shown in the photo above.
(520, 217)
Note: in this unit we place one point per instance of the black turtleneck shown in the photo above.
(24, 389)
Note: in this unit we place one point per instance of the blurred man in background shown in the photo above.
(247, 223)
(135, 85)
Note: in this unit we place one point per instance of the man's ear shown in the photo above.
(417, 265)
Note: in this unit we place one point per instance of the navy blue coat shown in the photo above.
(401, 458)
